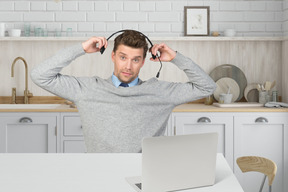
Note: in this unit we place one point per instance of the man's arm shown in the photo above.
(47, 74)
(199, 85)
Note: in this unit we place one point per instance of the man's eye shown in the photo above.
(136, 60)
(122, 57)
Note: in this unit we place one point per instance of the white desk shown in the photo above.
(87, 173)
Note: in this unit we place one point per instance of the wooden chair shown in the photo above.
(258, 164)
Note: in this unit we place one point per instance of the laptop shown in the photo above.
(171, 163)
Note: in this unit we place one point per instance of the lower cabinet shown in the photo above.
(243, 134)
(28, 132)
(240, 134)
(72, 140)
(266, 135)
(191, 123)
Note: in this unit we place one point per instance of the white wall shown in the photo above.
(285, 18)
(155, 18)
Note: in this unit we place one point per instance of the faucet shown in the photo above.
(26, 91)
(13, 95)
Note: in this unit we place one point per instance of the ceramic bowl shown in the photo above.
(229, 33)
(14, 32)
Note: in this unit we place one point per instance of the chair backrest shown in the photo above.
(259, 164)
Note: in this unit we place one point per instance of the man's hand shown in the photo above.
(166, 53)
(94, 44)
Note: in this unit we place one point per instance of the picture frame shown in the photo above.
(196, 20)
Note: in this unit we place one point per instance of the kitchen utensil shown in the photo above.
(262, 88)
(273, 84)
(258, 87)
(228, 92)
(267, 85)
(223, 86)
(233, 72)
(251, 92)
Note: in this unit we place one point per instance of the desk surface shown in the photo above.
(87, 172)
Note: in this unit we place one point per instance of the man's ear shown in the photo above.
(113, 56)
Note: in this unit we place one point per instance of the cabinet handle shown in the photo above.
(203, 120)
(25, 120)
(261, 120)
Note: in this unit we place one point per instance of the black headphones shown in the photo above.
(153, 56)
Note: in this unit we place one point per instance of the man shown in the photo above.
(116, 118)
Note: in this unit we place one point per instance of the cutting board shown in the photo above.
(223, 85)
(240, 104)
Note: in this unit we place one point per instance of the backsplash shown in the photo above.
(259, 59)
(154, 18)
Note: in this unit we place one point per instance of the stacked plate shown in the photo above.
(229, 77)
(251, 93)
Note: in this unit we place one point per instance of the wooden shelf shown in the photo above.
(202, 38)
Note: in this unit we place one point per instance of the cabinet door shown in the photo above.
(72, 137)
(262, 135)
(222, 123)
(28, 133)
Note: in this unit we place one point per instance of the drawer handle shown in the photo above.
(261, 120)
(25, 120)
(203, 120)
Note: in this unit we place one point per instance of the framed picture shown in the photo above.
(197, 21)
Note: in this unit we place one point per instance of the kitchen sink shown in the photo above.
(33, 106)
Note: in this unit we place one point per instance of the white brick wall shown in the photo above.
(155, 18)
(285, 18)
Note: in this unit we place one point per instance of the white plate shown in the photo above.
(223, 85)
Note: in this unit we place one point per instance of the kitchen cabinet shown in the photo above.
(222, 123)
(28, 132)
(243, 134)
(72, 140)
(266, 135)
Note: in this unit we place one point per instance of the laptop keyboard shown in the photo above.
(139, 185)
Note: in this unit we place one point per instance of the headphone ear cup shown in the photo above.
(102, 50)
(153, 56)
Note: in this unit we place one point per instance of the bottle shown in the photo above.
(275, 96)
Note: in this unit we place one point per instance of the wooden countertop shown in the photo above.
(181, 108)
(62, 108)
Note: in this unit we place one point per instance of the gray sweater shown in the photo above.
(116, 119)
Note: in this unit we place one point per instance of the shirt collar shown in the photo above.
(117, 82)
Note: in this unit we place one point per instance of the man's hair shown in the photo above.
(132, 39)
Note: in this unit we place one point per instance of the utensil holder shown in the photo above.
(264, 97)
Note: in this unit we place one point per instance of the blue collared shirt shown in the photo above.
(117, 82)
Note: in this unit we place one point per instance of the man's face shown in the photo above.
(127, 63)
